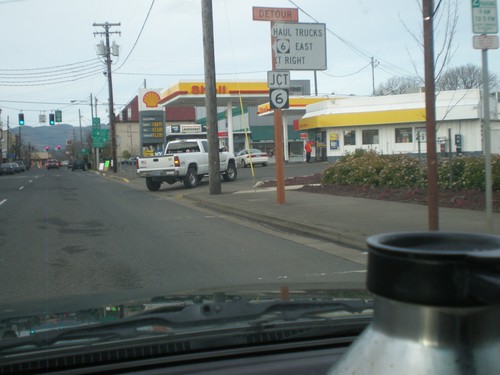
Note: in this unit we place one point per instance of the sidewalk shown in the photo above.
(343, 220)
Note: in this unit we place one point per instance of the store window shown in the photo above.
(370, 137)
(349, 137)
(404, 135)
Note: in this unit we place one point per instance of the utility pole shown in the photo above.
(8, 140)
(374, 65)
(18, 151)
(430, 116)
(211, 98)
(80, 124)
(112, 124)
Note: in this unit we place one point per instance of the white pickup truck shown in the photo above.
(183, 160)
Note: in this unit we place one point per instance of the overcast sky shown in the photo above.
(47, 46)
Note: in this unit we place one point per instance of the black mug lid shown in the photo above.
(435, 268)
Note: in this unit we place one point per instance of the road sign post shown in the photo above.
(294, 46)
(485, 21)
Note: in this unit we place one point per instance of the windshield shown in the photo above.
(321, 107)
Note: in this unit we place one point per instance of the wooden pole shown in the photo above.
(430, 115)
(211, 98)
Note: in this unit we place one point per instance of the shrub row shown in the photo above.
(368, 168)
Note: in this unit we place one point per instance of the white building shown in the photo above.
(396, 124)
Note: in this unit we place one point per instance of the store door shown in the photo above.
(321, 146)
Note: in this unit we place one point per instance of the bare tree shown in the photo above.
(398, 85)
(445, 27)
(465, 77)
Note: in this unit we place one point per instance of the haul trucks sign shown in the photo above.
(299, 46)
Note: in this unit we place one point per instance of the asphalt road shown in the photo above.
(247, 177)
(65, 233)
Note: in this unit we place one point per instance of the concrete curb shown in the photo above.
(298, 227)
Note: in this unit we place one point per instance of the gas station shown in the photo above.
(229, 95)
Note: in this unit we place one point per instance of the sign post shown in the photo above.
(295, 46)
(277, 97)
(484, 21)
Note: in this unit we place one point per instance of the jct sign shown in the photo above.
(299, 46)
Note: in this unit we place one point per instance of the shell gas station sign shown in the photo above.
(193, 89)
(149, 99)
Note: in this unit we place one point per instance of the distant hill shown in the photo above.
(52, 136)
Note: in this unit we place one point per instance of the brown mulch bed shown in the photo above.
(466, 199)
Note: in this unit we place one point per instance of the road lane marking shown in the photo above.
(2, 202)
(21, 188)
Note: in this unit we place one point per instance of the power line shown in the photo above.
(50, 67)
(51, 75)
(44, 82)
(187, 74)
(72, 72)
(390, 68)
(138, 36)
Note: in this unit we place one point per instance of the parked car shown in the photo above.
(17, 168)
(22, 165)
(256, 156)
(78, 164)
(52, 163)
(70, 164)
(129, 161)
(7, 168)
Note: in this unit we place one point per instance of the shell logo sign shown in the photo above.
(151, 99)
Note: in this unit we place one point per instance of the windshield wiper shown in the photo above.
(191, 317)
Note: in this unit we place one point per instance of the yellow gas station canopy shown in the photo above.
(192, 94)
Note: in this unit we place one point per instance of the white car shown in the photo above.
(256, 156)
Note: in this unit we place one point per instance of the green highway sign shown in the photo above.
(96, 122)
(99, 137)
(58, 115)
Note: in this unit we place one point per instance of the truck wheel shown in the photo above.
(191, 178)
(231, 173)
(152, 185)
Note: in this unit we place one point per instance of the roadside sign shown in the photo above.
(99, 137)
(299, 46)
(96, 122)
(279, 98)
(42, 119)
(275, 14)
(58, 115)
(278, 80)
(485, 41)
(484, 17)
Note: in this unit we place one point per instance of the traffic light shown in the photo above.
(51, 119)
(21, 119)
